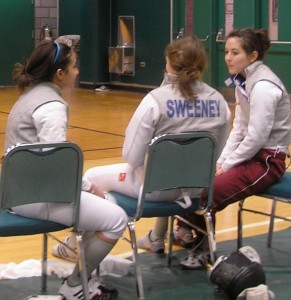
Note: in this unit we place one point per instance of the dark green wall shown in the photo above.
(16, 40)
(95, 33)
(91, 20)
(279, 57)
(206, 17)
(97, 23)
(152, 34)
(247, 13)
(69, 10)
(99, 29)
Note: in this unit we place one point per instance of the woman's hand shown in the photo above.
(96, 190)
(218, 169)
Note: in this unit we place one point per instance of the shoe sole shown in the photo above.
(183, 244)
(202, 264)
(108, 296)
(160, 251)
(193, 268)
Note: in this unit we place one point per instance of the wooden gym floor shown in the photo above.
(97, 124)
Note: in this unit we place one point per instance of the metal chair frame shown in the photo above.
(278, 192)
(183, 161)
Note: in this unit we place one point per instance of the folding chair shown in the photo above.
(42, 172)
(185, 161)
(279, 191)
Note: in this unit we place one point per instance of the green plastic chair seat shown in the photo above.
(153, 209)
(277, 192)
(281, 188)
(12, 224)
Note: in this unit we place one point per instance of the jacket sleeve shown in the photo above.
(224, 131)
(140, 131)
(50, 121)
(235, 136)
(248, 136)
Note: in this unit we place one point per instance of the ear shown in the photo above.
(254, 56)
(59, 74)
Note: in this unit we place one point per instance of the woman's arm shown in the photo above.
(140, 131)
(263, 102)
(236, 133)
(51, 120)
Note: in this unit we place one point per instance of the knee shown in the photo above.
(121, 222)
(87, 175)
(124, 220)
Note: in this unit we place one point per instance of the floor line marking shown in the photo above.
(252, 225)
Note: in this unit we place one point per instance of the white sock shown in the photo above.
(95, 251)
(161, 228)
(71, 241)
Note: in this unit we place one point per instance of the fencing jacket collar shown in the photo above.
(237, 80)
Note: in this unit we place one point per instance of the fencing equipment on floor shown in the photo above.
(237, 271)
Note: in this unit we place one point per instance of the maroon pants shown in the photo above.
(242, 181)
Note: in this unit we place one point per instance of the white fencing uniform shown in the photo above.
(44, 118)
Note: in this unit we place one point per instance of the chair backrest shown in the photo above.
(42, 172)
(184, 160)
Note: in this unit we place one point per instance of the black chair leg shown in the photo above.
(210, 236)
(271, 224)
(239, 224)
(138, 274)
(82, 265)
(44, 265)
(170, 239)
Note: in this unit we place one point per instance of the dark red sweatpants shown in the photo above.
(247, 179)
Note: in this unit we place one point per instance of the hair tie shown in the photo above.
(57, 52)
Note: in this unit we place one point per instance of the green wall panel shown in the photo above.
(95, 33)
(16, 41)
(279, 58)
(179, 16)
(152, 34)
(205, 27)
(97, 23)
(247, 13)
(91, 20)
(69, 17)
(284, 9)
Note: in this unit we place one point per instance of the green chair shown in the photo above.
(184, 161)
(42, 172)
(279, 191)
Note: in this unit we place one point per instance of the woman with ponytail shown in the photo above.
(41, 115)
(254, 155)
(183, 103)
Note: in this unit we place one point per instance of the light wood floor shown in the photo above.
(97, 123)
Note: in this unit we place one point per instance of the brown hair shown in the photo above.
(187, 56)
(253, 40)
(42, 64)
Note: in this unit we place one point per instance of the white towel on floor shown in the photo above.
(111, 265)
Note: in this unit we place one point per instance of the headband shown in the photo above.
(57, 52)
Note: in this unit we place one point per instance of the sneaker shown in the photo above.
(157, 246)
(65, 252)
(95, 283)
(196, 260)
(199, 256)
(183, 237)
(102, 88)
(97, 291)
